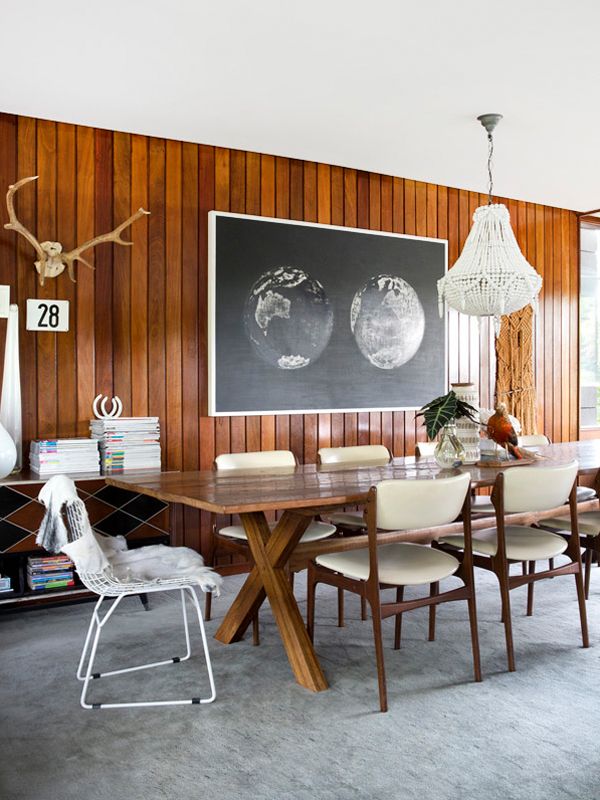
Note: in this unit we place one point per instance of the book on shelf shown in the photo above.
(56, 456)
(49, 572)
(127, 443)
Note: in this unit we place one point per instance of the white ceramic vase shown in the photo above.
(8, 453)
(466, 431)
(10, 403)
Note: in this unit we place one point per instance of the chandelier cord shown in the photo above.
(489, 166)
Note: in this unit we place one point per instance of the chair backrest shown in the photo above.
(425, 449)
(355, 454)
(259, 460)
(404, 504)
(538, 488)
(533, 440)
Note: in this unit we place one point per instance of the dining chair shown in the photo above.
(393, 505)
(106, 586)
(588, 525)
(527, 489)
(234, 538)
(352, 522)
(425, 449)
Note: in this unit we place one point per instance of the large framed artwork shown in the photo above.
(318, 318)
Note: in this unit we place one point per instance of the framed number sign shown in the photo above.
(48, 315)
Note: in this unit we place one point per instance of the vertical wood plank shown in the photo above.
(65, 220)
(173, 304)
(47, 384)
(139, 278)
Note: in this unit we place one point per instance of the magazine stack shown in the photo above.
(64, 456)
(127, 443)
(49, 572)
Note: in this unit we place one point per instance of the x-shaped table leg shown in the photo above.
(269, 577)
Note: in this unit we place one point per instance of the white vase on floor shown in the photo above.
(10, 402)
(466, 431)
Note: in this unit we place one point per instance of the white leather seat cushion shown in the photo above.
(585, 493)
(589, 523)
(522, 543)
(349, 519)
(314, 532)
(400, 564)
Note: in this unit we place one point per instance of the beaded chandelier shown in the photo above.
(491, 277)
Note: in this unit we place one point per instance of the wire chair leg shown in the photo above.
(99, 625)
(213, 692)
(188, 652)
(93, 620)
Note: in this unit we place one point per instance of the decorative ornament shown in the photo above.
(491, 277)
(51, 259)
(10, 403)
(467, 428)
(116, 407)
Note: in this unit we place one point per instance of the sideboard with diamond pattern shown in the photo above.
(141, 519)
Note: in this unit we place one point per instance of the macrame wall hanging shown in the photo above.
(515, 380)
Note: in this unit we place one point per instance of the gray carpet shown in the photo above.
(530, 734)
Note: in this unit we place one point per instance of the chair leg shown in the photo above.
(255, 630)
(506, 616)
(530, 590)
(144, 601)
(363, 608)
(398, 623)
(434, 589)
(99, 625)
(551, 563)
(311, 587)
(588, 571)
(340, 598)
(378, 637)
(582, 610)
(210, 562)
(472, 604)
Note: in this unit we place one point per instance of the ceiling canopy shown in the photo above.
(393, 87)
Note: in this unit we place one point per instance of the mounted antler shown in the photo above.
(114, 236)
(51, 259)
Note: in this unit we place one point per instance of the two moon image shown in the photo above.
(289, 319)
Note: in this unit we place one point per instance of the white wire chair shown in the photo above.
(106, 585)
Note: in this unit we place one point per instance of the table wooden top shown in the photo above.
(307, 485)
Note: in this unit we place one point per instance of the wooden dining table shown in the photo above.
(300, 494)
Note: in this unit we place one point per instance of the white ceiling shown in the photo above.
(383, 85)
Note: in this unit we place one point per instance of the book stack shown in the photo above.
(49, 572)
(56, 456)
(127, 443)
(5, 584)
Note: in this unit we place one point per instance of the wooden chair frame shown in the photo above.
(346, 531)
(371, 588)
(499, 564)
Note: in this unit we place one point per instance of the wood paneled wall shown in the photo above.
(138, 322)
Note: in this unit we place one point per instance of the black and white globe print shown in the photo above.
(288, 318)
(388, 321)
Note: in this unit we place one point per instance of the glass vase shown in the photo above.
(449, 451)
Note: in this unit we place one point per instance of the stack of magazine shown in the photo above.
(49, 572)
(127, 443)
(57, 456)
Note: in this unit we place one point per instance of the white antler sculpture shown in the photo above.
(51, 259)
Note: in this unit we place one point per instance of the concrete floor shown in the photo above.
(531, 734)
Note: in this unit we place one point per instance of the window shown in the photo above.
(589, 326)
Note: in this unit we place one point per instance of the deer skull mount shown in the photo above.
(51, 260)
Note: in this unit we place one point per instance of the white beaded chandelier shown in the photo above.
(491, 277)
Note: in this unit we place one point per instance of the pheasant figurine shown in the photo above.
(501, 431)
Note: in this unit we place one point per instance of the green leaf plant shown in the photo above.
(445, 409)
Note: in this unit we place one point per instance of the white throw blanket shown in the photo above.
(95, 553)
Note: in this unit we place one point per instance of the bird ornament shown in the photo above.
(501, 431)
